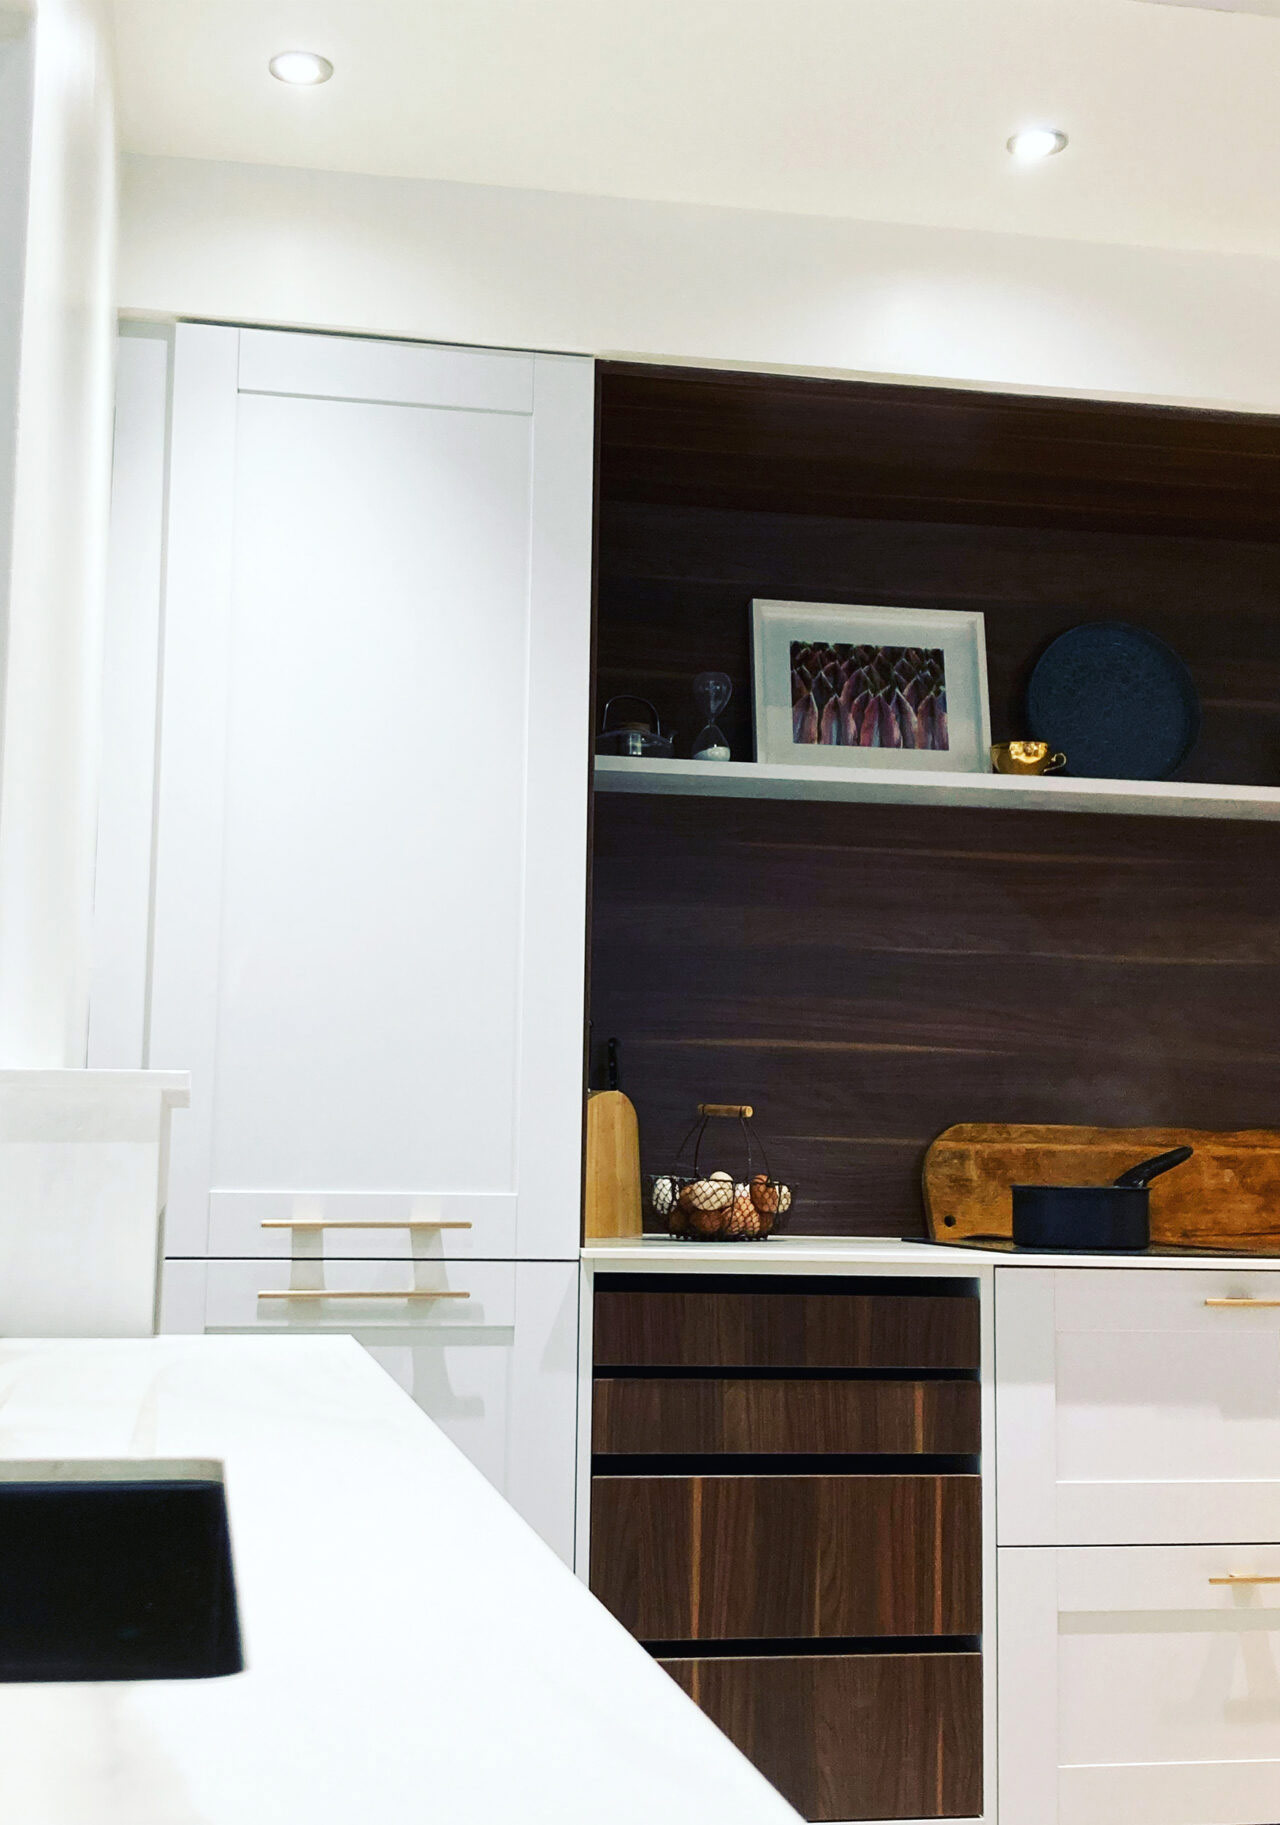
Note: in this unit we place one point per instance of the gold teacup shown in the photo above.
(1025, 757)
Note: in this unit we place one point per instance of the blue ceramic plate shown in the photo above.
(1116, 700)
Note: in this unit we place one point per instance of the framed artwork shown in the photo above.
(855, 686)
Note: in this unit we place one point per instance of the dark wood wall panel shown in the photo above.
(774, 442)
(715, 1328)
(868, 975)
(647, 1414)
(676, 584)
(719, 1558)
(852, 1736)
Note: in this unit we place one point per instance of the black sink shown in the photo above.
(115, 1579)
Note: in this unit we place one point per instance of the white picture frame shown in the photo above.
(940, 665)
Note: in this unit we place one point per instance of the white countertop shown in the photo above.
(414, 1652)
(787, 1254)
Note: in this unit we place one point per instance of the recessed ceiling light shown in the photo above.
(305, 67)
(1036, 142)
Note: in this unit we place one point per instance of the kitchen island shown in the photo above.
(413, 1651)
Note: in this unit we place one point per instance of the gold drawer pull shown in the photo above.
(324, 1293)
(1244, 1578)
(1257, 1305)
(358, 1223)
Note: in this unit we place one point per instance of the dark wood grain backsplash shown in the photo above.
(867, 975)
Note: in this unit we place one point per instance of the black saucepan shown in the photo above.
(1091, 1216)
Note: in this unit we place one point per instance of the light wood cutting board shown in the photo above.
(1226, 1196)
(612, 1201)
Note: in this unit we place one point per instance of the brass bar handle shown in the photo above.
(1244, 1578)
(1257, 1305)
(308, 1292)
(740, 1111)
(358, 1223)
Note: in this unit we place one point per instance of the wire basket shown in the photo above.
(720, 1206)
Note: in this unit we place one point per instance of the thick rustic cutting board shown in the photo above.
(1226, 1196)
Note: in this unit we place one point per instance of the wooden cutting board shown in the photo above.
(612, 1201)
(1226, 1196)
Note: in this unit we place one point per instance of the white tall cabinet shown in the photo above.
(366, 929)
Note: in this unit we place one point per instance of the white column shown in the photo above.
(15, 171)
(83, 1154)
(56, 574)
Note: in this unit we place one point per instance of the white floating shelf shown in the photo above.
(889, 786)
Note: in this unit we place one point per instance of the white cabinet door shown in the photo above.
(497, 1372)
(1135, 1685)
(1137, 1405)
(371, 838)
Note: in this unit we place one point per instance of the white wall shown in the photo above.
(465, 263)
(52, 673)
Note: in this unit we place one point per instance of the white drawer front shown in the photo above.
(409, 1296)
(504, 1390)
(1133, 1687)
(391, 1225)
(1172, 1300)
(1132, 1406)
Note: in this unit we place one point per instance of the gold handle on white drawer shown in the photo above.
(310, 1292)
(357, 1223)
(1244, 1578)
(1242, 1304)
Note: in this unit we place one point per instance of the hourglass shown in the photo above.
(711, 692)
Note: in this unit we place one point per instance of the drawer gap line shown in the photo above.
(624, 1371)
(811, 1646)
(930, 1464)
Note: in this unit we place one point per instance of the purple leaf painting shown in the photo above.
(868, 696)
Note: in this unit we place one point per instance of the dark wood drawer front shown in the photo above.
(778, 1330)
(722, 1558)
(647, 1414)
(853, 1736)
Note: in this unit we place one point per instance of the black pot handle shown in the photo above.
(1139, 1177)
(629, 697)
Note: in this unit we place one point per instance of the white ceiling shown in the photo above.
(894, 110)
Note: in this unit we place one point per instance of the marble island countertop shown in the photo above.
(796, 1254)
(414, 1652)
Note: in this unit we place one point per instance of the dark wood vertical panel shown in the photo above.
(852, 1736)
(718, 1558)
(643, 1549)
